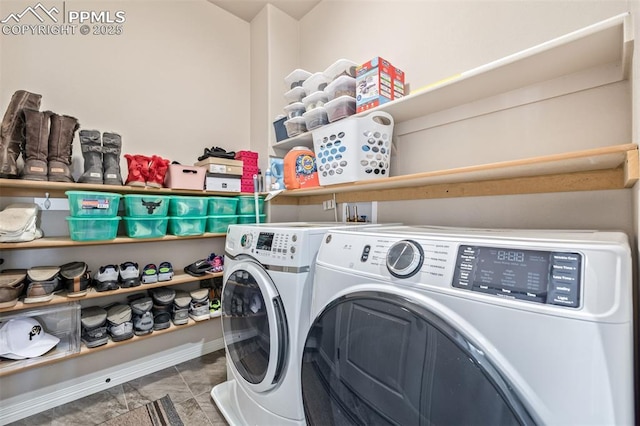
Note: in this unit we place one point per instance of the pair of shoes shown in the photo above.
(181, 302)
(163, 299)
(216, 262)
(101, 158)
(75, 278)
(146, 171)
(217, 152)
(94, 326)
(119, 322)
(198, 268)
(112, 277)
(142, 317)
(42, 283)
(152, 274)
(11, 286)
(199, 306)
(214, 308)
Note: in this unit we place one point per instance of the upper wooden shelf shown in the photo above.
(598, 54)
(614, 167)
(32, 188)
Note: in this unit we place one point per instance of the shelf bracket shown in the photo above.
(631, 168)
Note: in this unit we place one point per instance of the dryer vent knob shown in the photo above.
(405, 258)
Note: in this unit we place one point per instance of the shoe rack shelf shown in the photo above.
(92, 293)
(32, 188)
(110, 344)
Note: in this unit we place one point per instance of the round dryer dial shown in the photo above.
(246, 240)
(405, 258)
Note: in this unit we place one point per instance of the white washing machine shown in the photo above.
(416, 325)
(266, 300)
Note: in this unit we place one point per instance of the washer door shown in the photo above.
(378, 358)
(254, 325)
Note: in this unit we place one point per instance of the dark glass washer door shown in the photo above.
(375, 358)
(254, 325)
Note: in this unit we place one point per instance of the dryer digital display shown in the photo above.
(534, 275)
(265, 241)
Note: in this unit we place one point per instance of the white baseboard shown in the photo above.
(25, 405)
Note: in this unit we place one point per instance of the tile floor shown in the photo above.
(189, 385)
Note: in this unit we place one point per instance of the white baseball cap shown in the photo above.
(22, 338)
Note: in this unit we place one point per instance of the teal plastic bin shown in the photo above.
(187, 206)
(222, 206)
(93, 228)
(251, 218)
(220, 223)
(247, 205)
(93, 204)
(139, 227)
(186, 226)
(149, 205)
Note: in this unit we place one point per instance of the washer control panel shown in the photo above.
(549, 277)
(272, 245)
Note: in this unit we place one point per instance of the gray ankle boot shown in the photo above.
(36, 146)
(61, 134)
(111, 148)
(12, 135)
(92, 154)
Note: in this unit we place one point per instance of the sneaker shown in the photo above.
(199, 307)
(75, 278)
(129, 275)
(94, 326)
(165, 271)
(214, 308)
(217, 264)
(120, 324)
(11, 286)
(150, 274)
(106, 278)
(44, 282)
(142, 317)
(181, 307)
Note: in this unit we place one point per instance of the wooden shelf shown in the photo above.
(31, 188)
(614, 167)
(53, 242)
(92, 293)
(589, 57)
(22, 365)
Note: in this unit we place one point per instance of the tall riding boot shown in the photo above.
(111, 147)
(12, 131)
(92, 154)
(36, 147)
(61, 133)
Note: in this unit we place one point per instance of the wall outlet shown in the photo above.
(328, 205)
(52, 204)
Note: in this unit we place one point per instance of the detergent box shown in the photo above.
(377, 82)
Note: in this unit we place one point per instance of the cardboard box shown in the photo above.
(377, 82)
(185, 177)
(221, 166)
(222, 182)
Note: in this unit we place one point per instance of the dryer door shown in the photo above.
(254, 325)
(378, 358)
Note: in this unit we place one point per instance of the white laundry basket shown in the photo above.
(354, 149)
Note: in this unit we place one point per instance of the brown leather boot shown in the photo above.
(12, 131)
(61, 133)
(36, 147)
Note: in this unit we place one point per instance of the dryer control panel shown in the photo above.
(549, 277)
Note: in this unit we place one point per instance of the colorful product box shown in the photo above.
(377, 82)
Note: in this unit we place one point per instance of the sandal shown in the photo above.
(165, 271)
(150, 274)
(198, 268)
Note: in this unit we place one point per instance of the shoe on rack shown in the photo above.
(75, 278)
(143, 322)
(129, 275)
(94, 326)
(198, 268)
(43, 283)
(150, 274)
(165, 271)
(106, 278)
(11, 285)
(199, 307)
(119, 320)
(215, 308)
(217, 264)
(181, 307)
(163, 299)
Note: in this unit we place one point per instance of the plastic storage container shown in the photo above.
(185, 226)
(93, 228)
(315, 100)
(317, 81)
(153, 227)
(341, 67)
(315, 118)
(341, 86)
(187, 206)
(251, 218)
(295, 126)
(94, 204)
(220, 223)
(355, 149)
(341, 107)
(295, 95)
(137, 205)
(293, 110)
(220, 206)
(247, 205)
(296, 78)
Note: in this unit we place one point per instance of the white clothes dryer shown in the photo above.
(266, 300)
(415, 325)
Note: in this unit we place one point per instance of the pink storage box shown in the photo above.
(248, 158)
(185, 177)
(249, 171)
(246, 184)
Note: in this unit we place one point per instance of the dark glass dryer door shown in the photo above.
(375, 358)
(254, 325)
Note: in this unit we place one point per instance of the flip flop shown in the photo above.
(198, 268)
(165, 271)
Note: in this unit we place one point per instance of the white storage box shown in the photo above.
(222, 182)
(223, 166)
(354, 149)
